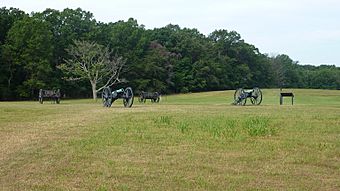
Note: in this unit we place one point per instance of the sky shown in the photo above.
(306, 30)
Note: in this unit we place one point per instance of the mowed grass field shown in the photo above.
(195, 141)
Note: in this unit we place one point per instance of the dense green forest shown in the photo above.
(170, 59)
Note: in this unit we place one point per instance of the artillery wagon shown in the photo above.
(241, 96)
(52, 94)
(153, 96)
(108, 96)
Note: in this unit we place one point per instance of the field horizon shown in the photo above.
(188, 141)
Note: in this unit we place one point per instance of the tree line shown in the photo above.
(170, 59)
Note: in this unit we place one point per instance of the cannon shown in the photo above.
(53, 94)
(241, 95)
(153, 96)
(109, 96)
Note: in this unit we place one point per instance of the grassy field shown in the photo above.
(195, 141)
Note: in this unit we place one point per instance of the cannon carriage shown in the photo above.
(52, 94)
(108, 96)
(153, 96)
(241, 95)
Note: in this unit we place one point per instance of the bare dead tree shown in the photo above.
(92, 61)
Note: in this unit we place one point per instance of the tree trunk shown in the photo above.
(94, 91)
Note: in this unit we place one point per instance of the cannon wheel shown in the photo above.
(256, 97)
(128, 97)
(41, 100)
(239, 98)
(107, 97)
(57, 100)
(158, 98)
(57, 96)
(141, 98)
(155, 100)
(41, 96)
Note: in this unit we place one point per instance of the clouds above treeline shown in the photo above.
(307, 30)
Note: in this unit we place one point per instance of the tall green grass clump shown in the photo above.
(183, 126)
(161, 121)
(259, 126)
(221, 127)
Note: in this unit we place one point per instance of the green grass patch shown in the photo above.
(259, 126)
